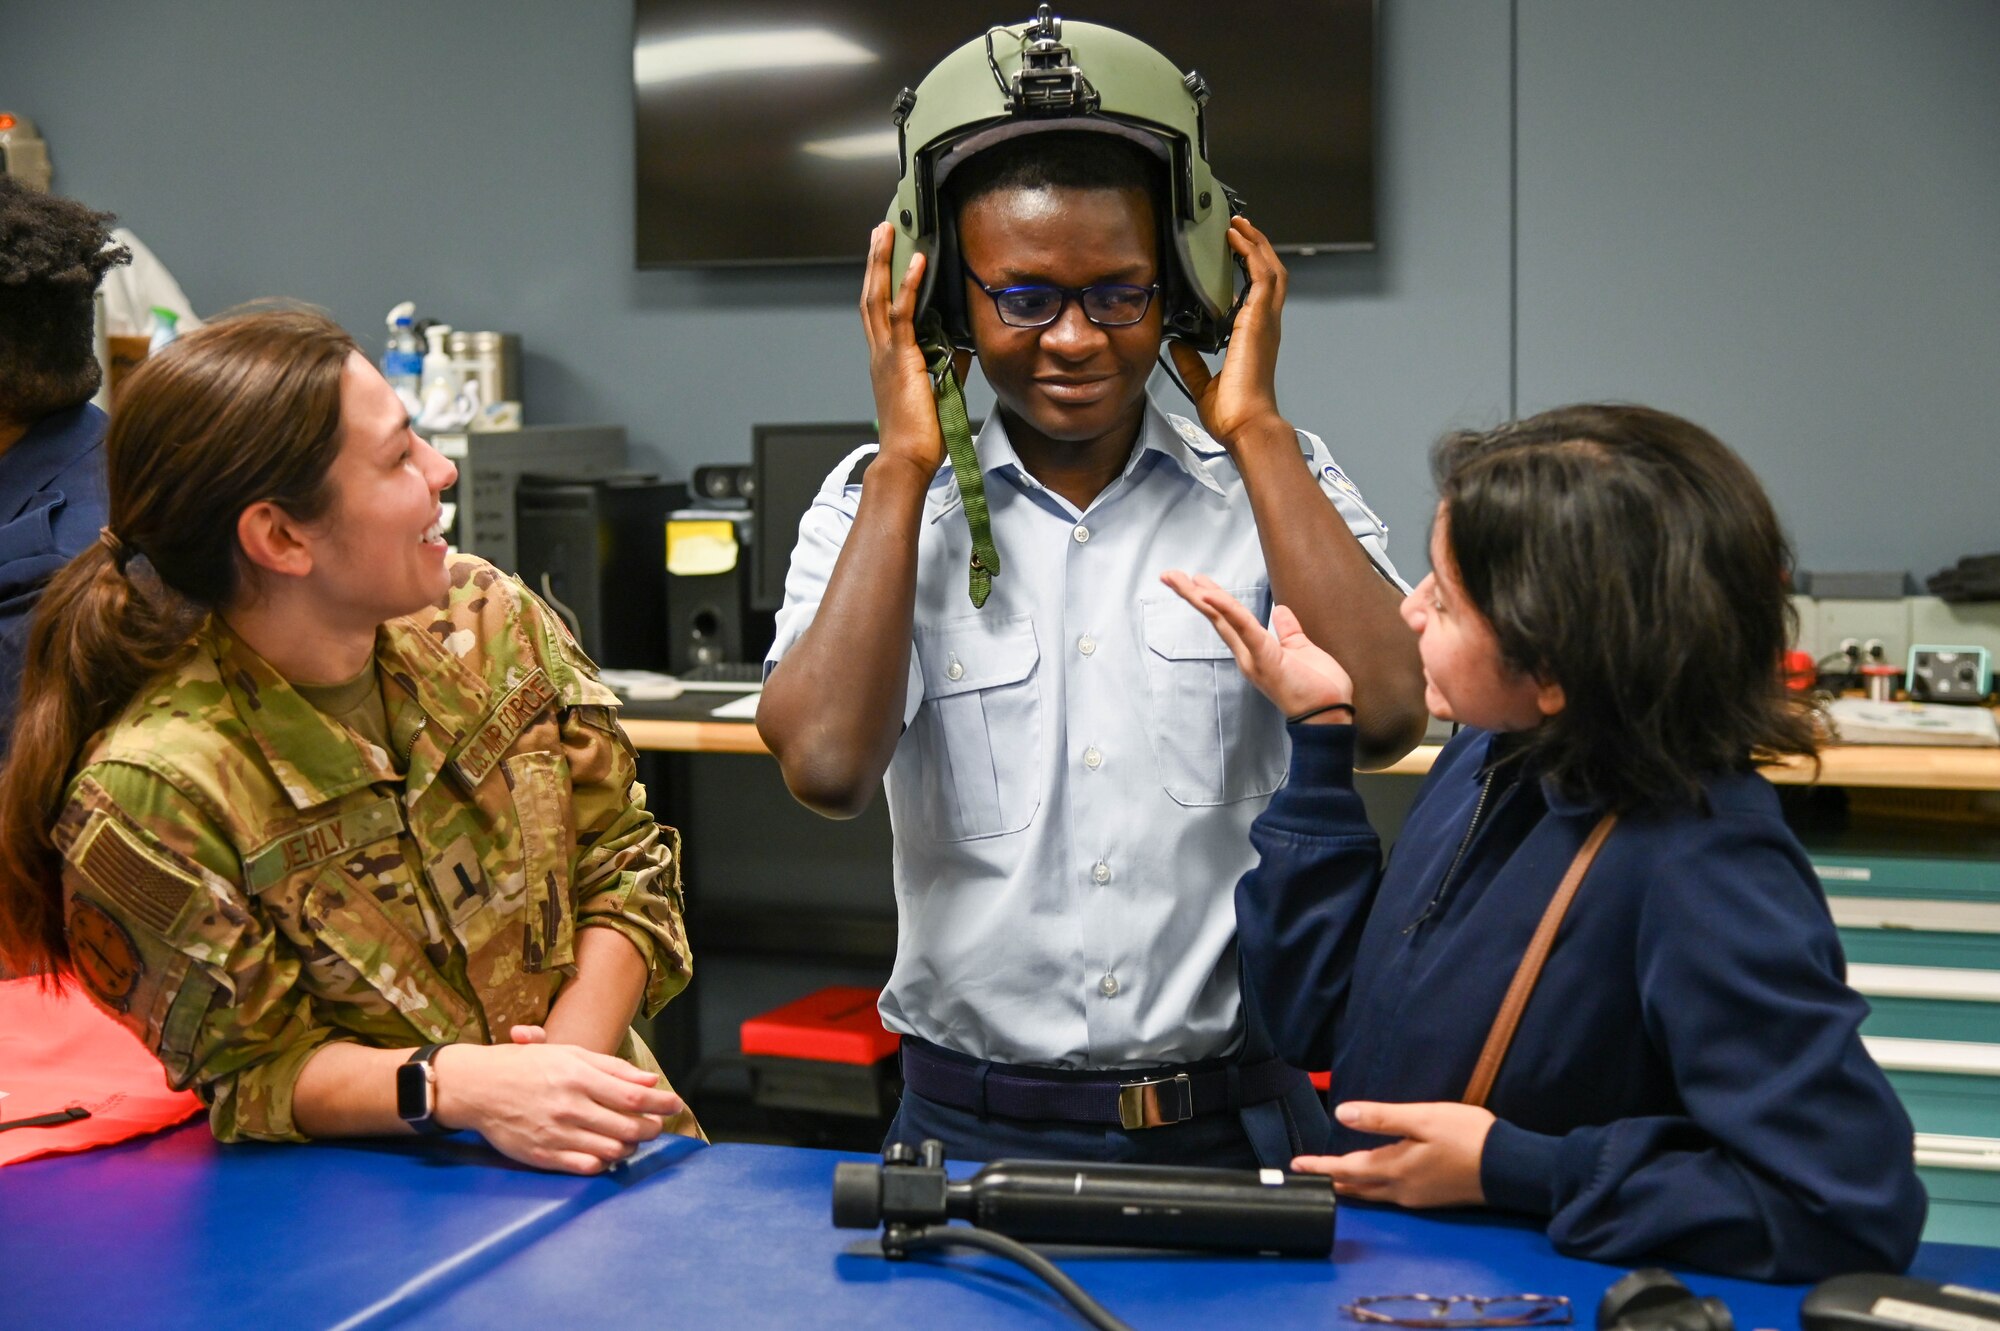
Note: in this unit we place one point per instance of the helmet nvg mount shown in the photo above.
(1048, 75)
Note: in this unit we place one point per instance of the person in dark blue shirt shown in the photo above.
(53, 254)
(1686, 1082)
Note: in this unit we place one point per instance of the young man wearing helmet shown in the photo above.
(1072, 765)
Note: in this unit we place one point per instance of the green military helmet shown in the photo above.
(1050, 75)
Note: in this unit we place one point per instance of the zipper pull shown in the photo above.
(411, 747)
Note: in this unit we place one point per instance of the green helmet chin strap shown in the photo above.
(957, 432)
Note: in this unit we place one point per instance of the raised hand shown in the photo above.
(552, 1106)
(905, 403)
(1285, 665)
(1436, 1162)
(1243, 394)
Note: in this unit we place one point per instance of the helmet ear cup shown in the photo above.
(948, 285)
(1189, 316)
(1183, 317)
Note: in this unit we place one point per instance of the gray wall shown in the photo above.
(1772, 215)
(1781, 219)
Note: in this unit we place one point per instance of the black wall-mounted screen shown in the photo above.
(763, 131)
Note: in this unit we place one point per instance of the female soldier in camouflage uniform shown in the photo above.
(293, 792)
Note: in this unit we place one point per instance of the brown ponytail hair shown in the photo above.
(242, 411)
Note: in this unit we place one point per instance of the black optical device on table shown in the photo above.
(1130, 1206)
(1048, 1201)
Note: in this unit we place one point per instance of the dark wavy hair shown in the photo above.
(53, 253)
(1629, 556)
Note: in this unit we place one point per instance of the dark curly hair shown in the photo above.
(1629, 556)
(53, 253)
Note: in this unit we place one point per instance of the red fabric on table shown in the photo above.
(57, 1049)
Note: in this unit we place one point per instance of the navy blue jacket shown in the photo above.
(52, 502)
(1687, 1083)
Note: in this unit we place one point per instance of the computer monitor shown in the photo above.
(788, 464)
(762, 129)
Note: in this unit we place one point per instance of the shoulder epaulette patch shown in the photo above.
(1194, 436)
(1332, 480)
(131, 876)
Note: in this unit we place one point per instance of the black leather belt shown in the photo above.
(1134, 1098)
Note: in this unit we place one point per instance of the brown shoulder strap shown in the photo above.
(1530, 969)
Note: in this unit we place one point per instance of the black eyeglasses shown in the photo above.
(1107, 304)
(1460, 1310)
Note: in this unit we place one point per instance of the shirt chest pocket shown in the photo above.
(500, 863)
(1216, 740)
(346, 893)
(498, 840)
(540, 782)
(978, 735)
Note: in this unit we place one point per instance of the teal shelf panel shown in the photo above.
(1933, 1019)
(1927, 878)
(1965, 1206)
(1919, 947)
(1949, 1103)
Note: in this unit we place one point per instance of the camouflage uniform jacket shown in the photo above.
(246, 879)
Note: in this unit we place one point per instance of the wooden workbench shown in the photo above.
(1880, 765)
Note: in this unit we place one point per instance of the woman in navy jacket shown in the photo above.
(1687, 1082)
(53, 254)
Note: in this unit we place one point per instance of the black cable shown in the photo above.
(946, 1236)
(1166, 363)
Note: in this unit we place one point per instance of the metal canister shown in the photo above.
(493, 360)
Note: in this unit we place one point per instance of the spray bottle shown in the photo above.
(402, 357)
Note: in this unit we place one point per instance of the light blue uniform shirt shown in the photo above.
(1082, 759)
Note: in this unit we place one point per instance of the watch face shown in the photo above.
(413, 1091)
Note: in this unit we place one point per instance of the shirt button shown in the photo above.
(1086, 644)
(1101, 872)
(954, 671)
(1081, 534)
(1108, 986)
(1092, 759)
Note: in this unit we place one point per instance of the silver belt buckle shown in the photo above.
(1156, 1103)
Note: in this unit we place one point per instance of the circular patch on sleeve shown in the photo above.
(102, 951)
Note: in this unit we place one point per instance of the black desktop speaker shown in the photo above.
(596, 552)
(709, 617)
(724, 484)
